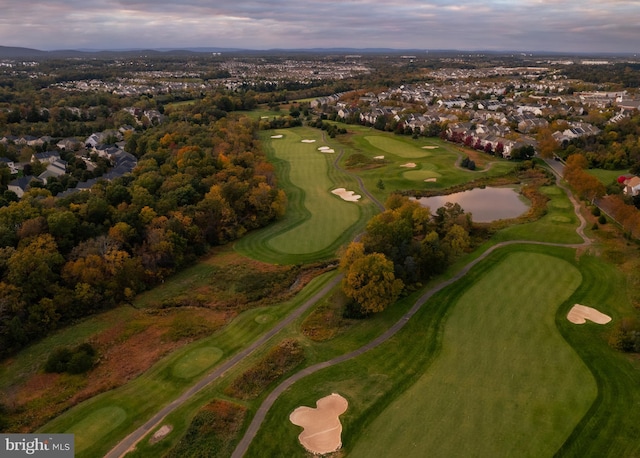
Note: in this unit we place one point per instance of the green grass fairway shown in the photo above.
(505, 384)
(95, 425)
(396, 147)
(317, 222)
(196, 362)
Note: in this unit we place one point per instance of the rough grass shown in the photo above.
(557, 225)
(211, 432)
(280, 360)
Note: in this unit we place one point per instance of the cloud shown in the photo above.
(588, 25)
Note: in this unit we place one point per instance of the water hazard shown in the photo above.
(485, 204)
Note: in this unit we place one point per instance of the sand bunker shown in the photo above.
(429, 147)
(161, 433)
(322, 428)
(579, 314)
(409, 165)
(277, 136)
(349, 196)
(326, 149)
(379, 157)
(308, 141)
(428, 180)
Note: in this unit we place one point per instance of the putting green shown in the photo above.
(196, 362)
(505, 383)
(396, 147)
(95, 425)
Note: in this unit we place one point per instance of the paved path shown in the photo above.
(133, 438)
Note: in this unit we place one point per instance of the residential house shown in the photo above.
(21, 185)
(56, 169)
(10, 164)
(632, 186)
(46, 157)
(69, 144)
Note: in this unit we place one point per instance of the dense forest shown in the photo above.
(201, 180)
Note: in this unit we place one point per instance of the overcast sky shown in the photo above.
(523, 25)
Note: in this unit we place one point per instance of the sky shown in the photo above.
(514, 25)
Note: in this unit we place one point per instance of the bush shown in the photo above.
(602, 219)
(595, 211)
(73, 361)
(280, 360)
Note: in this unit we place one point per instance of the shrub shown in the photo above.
(280, 360)
(73, 361)
(595, 211)
(602, 219)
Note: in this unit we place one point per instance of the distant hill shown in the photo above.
(9, 52)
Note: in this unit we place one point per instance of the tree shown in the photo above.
(370, 279)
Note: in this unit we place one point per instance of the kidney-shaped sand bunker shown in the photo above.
(322, 428)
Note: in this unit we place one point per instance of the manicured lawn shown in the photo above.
(317, 222)
(433, 157)
(607, 177)
(489, 345)
(505, 382)
(398, 148)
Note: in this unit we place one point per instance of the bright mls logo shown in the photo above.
(37, 445)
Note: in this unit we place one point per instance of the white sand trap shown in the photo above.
(161, 433)
(328, 151)
(308, 141)
(349, 196)
(379, 157)
(277, 136)
(322, 148)
(429, 180)
(409, 165)
(322, 428)
(429, 147)
(579, 314)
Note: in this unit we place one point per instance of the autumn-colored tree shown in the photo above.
(370, 280)
(34, 268)
(547, 145)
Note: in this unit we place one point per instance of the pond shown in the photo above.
(485, 204)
